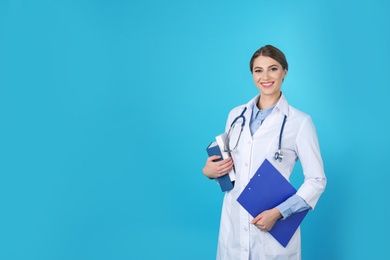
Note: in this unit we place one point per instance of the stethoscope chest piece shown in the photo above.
(278, 155)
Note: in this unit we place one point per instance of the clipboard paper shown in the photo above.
(266, 190)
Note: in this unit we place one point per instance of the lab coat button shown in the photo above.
(246, 164)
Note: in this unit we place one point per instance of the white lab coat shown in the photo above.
(238, 239)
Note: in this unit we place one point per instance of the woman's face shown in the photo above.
(268, 75)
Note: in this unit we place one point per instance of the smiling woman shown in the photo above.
(268, 76)
(268, 73)
(241, 235)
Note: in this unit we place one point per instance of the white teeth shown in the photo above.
(266, 84)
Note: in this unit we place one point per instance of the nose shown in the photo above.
(265, 75)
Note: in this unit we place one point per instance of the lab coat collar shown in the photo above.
(282, 105)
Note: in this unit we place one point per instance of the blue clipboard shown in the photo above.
(266, 190)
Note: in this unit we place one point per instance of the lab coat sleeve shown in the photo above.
(308, 151)
(292, 205)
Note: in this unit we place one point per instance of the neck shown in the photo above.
(266, 101)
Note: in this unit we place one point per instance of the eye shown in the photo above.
(274, 69)
(258, 70)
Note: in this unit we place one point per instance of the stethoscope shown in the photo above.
(278, 155)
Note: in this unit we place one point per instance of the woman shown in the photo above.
(242, 236)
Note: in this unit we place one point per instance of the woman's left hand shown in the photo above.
(266, 220)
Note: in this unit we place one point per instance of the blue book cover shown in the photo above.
(266, 190)
(224, 181)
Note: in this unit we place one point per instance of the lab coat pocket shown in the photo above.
(292, 251)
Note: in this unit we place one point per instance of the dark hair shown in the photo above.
(272, 52)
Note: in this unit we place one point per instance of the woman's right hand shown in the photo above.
(217, 169)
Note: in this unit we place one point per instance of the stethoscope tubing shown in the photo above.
(240, 116)
(278, 155)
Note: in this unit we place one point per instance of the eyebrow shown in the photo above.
(268, 66)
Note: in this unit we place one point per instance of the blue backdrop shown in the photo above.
(106, 108)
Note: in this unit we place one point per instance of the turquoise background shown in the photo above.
(106, 108)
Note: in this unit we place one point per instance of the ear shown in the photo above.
(285, 73)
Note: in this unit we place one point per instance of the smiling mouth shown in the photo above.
(267, 84)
